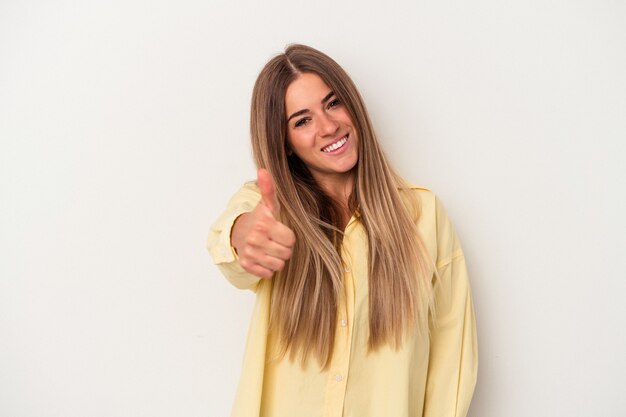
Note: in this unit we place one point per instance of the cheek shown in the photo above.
(292, 140)
(300, 140)
(345, 117)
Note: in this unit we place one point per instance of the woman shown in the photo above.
(363, 305)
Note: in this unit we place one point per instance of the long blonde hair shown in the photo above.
(306, 292)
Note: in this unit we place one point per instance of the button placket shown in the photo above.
(340, 363)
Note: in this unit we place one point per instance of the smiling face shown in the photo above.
(320, 131)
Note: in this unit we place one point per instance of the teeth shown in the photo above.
(336, 145)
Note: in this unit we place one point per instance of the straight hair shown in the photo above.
(306, 292)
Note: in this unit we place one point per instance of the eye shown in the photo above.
(334, 103)
(302, 122)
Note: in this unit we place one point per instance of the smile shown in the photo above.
(337, 145)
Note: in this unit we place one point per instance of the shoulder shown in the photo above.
(425, 196)
(431, 206)
(434, 222)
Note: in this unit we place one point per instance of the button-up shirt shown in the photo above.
(433, 374)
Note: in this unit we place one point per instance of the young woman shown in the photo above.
(363, 306)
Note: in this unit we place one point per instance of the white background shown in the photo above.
(124, 130)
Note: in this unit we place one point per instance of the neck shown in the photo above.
(339, 189)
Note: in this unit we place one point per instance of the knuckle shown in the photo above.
(245, 264)
(248, 252)
(260, 226)
(252, 240)
(291, 238)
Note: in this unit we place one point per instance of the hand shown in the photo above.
(263, 244)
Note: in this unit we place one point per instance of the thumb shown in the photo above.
(268, 190)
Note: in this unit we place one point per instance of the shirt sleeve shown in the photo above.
(453, 359)
(219, 245)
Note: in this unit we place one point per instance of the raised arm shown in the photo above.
(247, 243)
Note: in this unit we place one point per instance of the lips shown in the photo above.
(336, 145)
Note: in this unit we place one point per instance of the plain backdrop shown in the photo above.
(124, 131)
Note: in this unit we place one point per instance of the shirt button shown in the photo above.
(343, 323)
(338, 378)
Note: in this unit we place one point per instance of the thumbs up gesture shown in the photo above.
(263, 244)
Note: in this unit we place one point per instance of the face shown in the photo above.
(319, 130)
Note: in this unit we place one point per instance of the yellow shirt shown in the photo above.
(428, 377)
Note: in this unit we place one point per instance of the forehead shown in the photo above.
(305, 92)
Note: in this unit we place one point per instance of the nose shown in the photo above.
(327, 125)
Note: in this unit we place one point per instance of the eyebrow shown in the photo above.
(300, 112)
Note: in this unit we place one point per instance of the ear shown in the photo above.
(289, 151)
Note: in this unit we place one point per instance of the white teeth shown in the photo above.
(336, 145)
